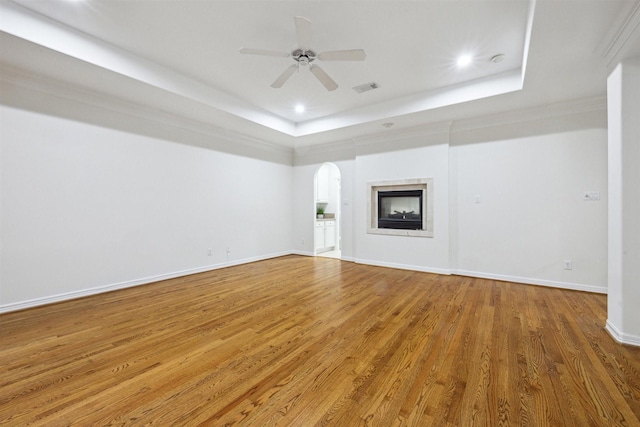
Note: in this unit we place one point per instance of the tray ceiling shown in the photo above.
(184, 55)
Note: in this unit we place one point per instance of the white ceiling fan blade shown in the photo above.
(250, 51)
(303, 32)
(324, 78)
(284, 76)
(343, 55)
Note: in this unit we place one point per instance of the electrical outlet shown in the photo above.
(302, 242)
(209, 252)
(228, 249)
(568, 264)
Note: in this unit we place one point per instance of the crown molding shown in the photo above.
(627, 25)
(394, 137)
(382, 141)
(547, 111)
(27, 25)
(388, 139)
(420, 135)
(34, 82)
(343, 145)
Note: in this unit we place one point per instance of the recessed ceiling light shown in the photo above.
(497, 58)
(299, 108)
(464, 60)
(388, 124)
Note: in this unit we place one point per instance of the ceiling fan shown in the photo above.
(304, 56)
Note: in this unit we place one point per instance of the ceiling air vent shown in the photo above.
(366, 87)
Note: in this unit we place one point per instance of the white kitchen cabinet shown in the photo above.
(325, 233)
(330, 234)
(320, 240)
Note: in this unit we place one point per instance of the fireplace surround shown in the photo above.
(402, 207)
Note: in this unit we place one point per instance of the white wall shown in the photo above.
(623, 317)
(414, 155)
(521, 213)
(303, 208)
(416, 253)
(303, 223)
(347, 214)
(333, 181)
(529, 177)
(87, 208)
(93, 199)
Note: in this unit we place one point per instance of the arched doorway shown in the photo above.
(326, 211)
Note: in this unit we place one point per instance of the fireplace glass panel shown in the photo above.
(400, 210)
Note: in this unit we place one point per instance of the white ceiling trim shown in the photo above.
(624, 32)
(439, 129)
(389, 139)
(46, 32)
(28, 25)
(24, 79)
(559, 109)
(509, 81)
(527, 38)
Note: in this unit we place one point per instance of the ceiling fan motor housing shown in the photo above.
(303, 57)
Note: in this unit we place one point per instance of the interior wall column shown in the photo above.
(623, 104)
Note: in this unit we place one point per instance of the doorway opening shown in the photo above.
(326, 212)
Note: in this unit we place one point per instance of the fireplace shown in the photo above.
(400, 210)
(401, 207)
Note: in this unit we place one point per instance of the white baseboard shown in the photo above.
(621, 337)
(403, 266)
(302, 253)
(533, 281)
(305, 253)
(6, 308)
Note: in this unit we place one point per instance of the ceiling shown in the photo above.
(182, 57)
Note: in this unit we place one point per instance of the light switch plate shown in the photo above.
(590, 196)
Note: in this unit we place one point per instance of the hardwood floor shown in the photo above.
(299, 341)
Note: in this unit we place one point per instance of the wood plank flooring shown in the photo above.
(299, 341)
